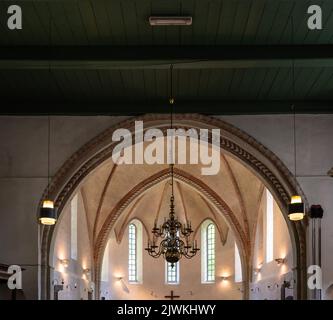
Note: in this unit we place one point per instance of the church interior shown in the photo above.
(77, 223)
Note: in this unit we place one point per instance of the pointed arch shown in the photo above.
(235, 142)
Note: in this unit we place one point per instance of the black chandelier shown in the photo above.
(176, 237)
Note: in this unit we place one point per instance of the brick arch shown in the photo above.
(261, 161)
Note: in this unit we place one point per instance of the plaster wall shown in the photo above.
(23, 173)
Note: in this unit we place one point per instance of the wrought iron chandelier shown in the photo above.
(175, 236)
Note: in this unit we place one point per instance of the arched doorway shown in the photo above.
(233, 142)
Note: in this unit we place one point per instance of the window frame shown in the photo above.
(210, 252)
(168, 269)
(269, 227)
(74, 227)
(132, 232)
(208, 277)
(238, 277)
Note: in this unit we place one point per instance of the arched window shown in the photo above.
(74, 205)
(208, 252)
(135, 252)
(132, 254)
(172, 273)
(238, 266)
(269, 221)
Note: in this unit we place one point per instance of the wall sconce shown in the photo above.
(86, 272)
(64, 262)
(280, 261)
(273, 287)
(47, 213)
(330, 173)
(224, 278)
(122, 284)
(296, 208)
(256, 270)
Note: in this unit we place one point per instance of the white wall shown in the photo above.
(314, 158)
(23, 178)
(266, 284)
(153, 284)
(76, 283)
(23, 170)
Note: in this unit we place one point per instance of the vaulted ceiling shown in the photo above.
(111, 198)
(103, 57)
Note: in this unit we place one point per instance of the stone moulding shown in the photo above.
(235, 142)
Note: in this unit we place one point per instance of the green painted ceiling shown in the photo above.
(217, 88)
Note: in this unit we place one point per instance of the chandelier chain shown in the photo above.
(176, 237)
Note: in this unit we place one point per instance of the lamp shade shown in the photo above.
(296, 209)
(47, 214)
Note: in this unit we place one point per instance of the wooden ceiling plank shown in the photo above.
(241, 19)
(281, 23)
(300, 18)
(253, 22)
(200, 18)
(318, 87)
(159, 33)
(265, 25)
(129, 17)
(227, 22)
(186, 34)
(102, 22)
(145, 31)
(60, 25)
(326, 35)
(75, 23)
(213, 20)
(89, 21)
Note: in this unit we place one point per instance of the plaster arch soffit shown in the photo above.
(223, 235)
(258, 216)
(120, 236)
(233, 141)
(238, 194)
(165, 187)
(182, 200)
(147, 184)
(102, 198)
(85, 205)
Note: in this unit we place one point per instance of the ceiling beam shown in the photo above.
(222, 107)
(160, 57)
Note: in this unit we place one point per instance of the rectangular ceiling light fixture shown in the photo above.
(170, 21)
